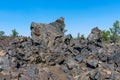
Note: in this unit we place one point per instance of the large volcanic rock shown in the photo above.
(95, 34)
(47, 33)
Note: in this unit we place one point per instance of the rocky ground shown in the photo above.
(51, 55)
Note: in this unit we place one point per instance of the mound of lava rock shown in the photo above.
(51, 55)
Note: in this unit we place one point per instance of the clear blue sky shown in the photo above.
(80, 15)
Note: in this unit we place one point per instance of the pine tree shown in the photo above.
(14, 33)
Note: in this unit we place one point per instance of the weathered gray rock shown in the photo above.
(4, 60)
(102, 57)
(65, 69)
(92, 63)
(67, 39)
(71, 63)
(95, 35)
(59, 24)
(47, 33)
(79, 58)
(96, 75)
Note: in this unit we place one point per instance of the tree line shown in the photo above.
(112, 35)
(13, 34)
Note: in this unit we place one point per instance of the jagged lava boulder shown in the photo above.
(47, 33)
(95, 35)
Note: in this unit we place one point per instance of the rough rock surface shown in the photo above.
(51, 55)
(95, 34)
(47, 33)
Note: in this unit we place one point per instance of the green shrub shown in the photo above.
(106, 36)
(112, 34)
(1, 34)
(80, 36)
(115, 31)
(14, 33)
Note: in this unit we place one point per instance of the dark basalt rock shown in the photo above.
(95, 35)
(47, 33)
(96, 75)
(92, 63)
